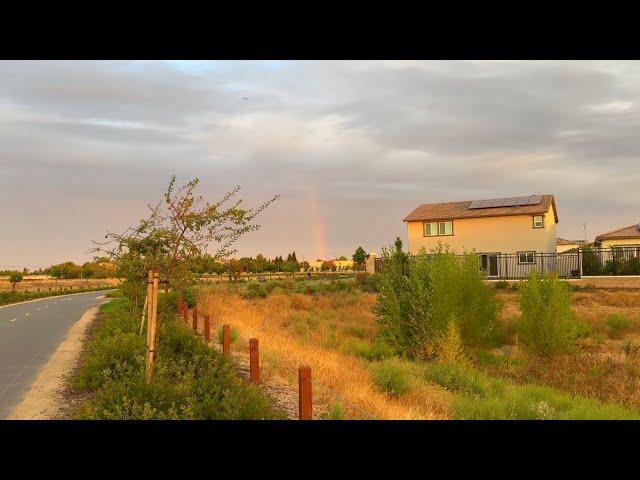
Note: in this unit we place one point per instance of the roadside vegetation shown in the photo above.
(191, 380)
(7, 298)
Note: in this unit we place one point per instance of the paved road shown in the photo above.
(29, 335)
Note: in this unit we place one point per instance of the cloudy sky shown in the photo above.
(351, 147)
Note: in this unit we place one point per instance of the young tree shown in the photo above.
(14, 277)
(178, 230)
(360, 257)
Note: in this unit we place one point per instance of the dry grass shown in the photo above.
(319, 331)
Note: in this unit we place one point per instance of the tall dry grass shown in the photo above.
(295, 329)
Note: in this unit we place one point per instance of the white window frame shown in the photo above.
(527, 253)
(441, 225)
(541, 217)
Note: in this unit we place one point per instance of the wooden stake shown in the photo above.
(226, 339)
(304, 393)
(185, 312)
(207, 329)
(254, 361)
(194, 323)
(153, 319)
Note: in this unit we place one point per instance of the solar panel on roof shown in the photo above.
(499, 202)
(535, 199)
(475, 204)
(522, 201)
(510, 202)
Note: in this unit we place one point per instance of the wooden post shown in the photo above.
(226, 339)
(207, 329)
(304, 396)
(147, 299)
(153, 319)
(254, 361)
(194, 323)
(185, 313)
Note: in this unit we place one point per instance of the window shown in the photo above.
(526, 257)
(435, 229)
(538, 221)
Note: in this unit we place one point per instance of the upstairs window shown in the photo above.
(437, 229)
(538, 221)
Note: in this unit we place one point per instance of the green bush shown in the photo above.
(547, 326)
(419, 295)
(254, 290)
(392, 376)
(375, 351)
(336, 412)
(501, 285)
(367, 282)
(191, 380)
(617, 324)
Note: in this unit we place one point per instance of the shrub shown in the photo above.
(617, 324)
(370, 351)
(254, 290)
(392, 376)
(449, 347)
(501, 284)
(421, 294)
(367, 282)
(546, 326)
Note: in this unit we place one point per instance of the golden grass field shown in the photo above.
(332, 333)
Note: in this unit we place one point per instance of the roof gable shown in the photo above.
(632, 231)
(454, 210)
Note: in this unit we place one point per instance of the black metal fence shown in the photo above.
(572, 264)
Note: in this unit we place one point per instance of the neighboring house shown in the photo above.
(622, 237)
(522, 226)
(343, 265)
(563, 245)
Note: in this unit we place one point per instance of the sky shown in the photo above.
(351, 147)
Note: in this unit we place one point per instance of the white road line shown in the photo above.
(13, 319)
(27, 314)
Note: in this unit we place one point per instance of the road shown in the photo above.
(29, 335)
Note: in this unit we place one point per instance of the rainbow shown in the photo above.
(318, 225)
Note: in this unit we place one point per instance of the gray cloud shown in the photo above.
(350, 146)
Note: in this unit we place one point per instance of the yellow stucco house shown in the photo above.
(622, 237)
(521, 226)
(563, 245)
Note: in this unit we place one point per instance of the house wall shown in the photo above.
(566, 248)
(490, 234)
(620, 241)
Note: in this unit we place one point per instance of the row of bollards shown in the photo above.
(305, 404)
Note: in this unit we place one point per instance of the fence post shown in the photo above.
(226, 339)
(207, 329)
(304, 393)
(254, 361)
(185, 313)
(194, 322)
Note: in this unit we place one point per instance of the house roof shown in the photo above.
(632, 231)
(562, 241)
(453, 210)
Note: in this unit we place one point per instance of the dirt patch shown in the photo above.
(48, 398)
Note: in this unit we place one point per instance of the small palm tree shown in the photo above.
(14, 278)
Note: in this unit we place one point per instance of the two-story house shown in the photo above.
(521, 226)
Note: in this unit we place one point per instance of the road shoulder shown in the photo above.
(45, 399)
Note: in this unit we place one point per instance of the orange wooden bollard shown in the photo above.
(194, 323)
(305, 410)
(226, 339)
(254, 361)
(185, 313)
(207, 328)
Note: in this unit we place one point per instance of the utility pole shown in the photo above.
(584, 225)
